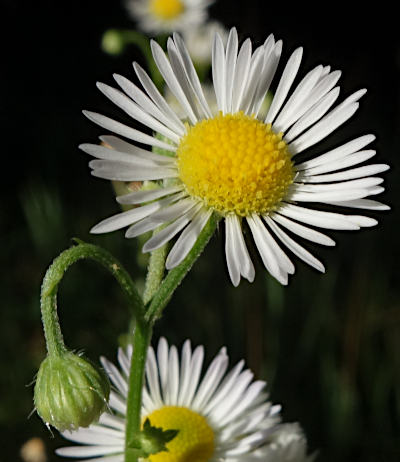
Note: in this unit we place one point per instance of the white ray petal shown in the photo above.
(156, 96)
(322, 197)
(148, 223)
(141, 227)
(162, 361)
(224, 406)
(296, 248)
(127, 132)
(360, 183)
(241, 74)
(153, 378)
(180, 73)
(219, 72)
(89, 451)
(256, 67)
(120, 220)
(363, 222)
(283, 260)
(313, 114)
(285, 83)
(245, 264)
(127, 171)
(185, 376)
(358, 172)
(296, 99)
(172, 384)
(112, 421)
(117, 403)
(137, 156)
(171, 230)
(303, 231)
(267, 254)
(122, 146)
(192, 74)
(230, 66)
(328, 220)
(314, 99)
(230, 252)
(148, 105)
(187, 239)
(124, 362)
(166, 71)
(174, 211)
(247, 400)
(344, 150)
(139, 197)
(362, 204)
(195, 370)
(341, 163)
(210, 382)
(94, 434)
(115, 376)
(224, 388)
(324, 127)
(271, 61)
(136, 112)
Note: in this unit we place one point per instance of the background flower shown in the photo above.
(158, 16)
(220, 415)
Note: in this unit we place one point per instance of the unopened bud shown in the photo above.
(113, 42)
(70, 392)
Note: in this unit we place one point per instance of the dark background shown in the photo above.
(328, 345)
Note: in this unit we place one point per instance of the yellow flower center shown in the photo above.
(235, 163)
(193, 443)
(166, 9)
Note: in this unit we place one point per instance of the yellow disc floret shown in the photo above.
(235, 163)
(166, 9)
(193, 443)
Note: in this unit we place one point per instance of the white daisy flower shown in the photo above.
(233, 162)
(222, 417)
(160, 16)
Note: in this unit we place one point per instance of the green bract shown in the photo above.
(70, 392)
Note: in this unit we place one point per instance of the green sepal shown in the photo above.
(152, 440)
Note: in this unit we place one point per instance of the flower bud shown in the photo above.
(113, 42)
(70, 392)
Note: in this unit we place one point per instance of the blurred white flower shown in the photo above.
(159, 16)
(199, 40)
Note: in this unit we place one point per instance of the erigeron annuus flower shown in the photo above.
(223, 417)
(160, 16)
(233, 163)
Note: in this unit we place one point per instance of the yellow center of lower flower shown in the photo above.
(193, 443)
(166, 9)
(235, 163)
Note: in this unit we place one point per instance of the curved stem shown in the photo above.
(175, 276)
(53, 276)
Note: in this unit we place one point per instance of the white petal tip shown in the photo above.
(97, 230)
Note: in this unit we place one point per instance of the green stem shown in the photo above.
(141, 342)
(155, 273)
(48, 299)
(175, 276)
